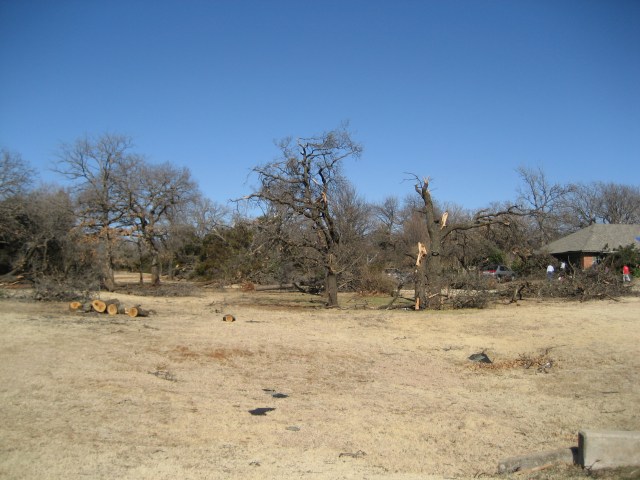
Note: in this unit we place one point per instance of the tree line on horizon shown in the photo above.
(314, 230)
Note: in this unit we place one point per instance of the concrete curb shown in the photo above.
(599, 449)
(538, 461)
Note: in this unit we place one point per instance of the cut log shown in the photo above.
(229, 318)
(75, 306)
(80, 307)
(99, 306)
(137, 311)
(113, 307)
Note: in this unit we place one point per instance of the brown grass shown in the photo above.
(365, 393)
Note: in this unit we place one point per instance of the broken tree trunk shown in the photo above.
(419, 276)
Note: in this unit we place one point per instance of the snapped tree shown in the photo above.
(429, 254)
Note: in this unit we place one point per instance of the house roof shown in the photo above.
(598, 238)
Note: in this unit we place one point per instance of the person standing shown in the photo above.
(550, 272)
(626, 277)
(563, 269)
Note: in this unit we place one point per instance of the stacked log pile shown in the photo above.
(109, 307)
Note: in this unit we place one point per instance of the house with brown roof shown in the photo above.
(585, 247)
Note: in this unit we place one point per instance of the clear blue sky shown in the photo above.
(463, 91)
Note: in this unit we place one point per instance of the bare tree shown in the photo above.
(280, 243)
(619, 203)
(303, 182)
(97, 165)
(388, 222)
(354, 222)
(15, 174)
(581, 206)
(207, 217)
(543, 200)
(155, 194)
(388, 214)
(600, 202)
(189, 227)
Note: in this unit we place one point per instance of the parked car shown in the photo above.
(499, 272)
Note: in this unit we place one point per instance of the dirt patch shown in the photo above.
(361, 393)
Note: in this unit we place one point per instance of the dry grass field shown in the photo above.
(300, 392)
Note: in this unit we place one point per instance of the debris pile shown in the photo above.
(110, 307)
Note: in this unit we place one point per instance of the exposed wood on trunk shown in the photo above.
(443, 220)
(422, 252)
